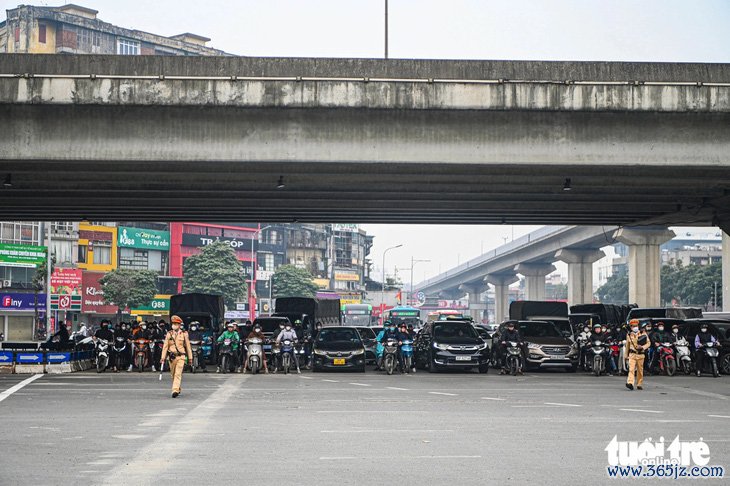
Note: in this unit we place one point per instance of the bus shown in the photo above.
(357, 314)
(407, 315)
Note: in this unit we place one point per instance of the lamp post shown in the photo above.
(252, 287)
(413, 263)
(382, 290)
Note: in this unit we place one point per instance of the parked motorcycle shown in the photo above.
(102, 355)
(120, 351)
(683, 355)
(406, 351)
(667, 360)
(513, 359)
(225, 352)
(390, 355)
(141, 353)
(711, 352)
(255, 350)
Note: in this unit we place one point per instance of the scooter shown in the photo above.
(390, 355)
(514, 358)
(406, 351)
(275, 356)
(226, 355)
(196, 347)
(141, 353)
(120, 351)
(102, 354)
(683, 355)
(667, 360)
(711, 354)
(255, 350)
(287, 355)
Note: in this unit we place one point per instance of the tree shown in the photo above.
(692, 284)
(615, 290)
(216, 270)
(129, 288)
(290, 281)
(39, 282)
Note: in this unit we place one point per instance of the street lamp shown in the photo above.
(413, 263)
(252, 289)
(382, 289)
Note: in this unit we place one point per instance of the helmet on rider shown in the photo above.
(675, 328)
(660, 326)
(597, 327)
(231, 326)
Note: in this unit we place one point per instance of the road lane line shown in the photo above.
(563, 404)
(372, 411)
(359, 384)
(719, 416)
(448, 457)
(386, 430)
(446, 394)
(306, 377)
(337, 458)
(331, 381)
(639, 410)
(495, 399)
(396, 388)
(17, 387)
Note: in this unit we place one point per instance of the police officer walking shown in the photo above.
(177, 346)
(637, 342)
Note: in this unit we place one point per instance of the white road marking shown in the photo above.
(359, 384)
(640, 410)
(352, 458)
(563, 404)
(337, 458)
(129, 436)
(396, 388)
(371, 411)
(306, 377)
(331, 381)
(17, 387)
(388, 431)
(495, 399)
(446, 394)
(448, 457)
(719, 416)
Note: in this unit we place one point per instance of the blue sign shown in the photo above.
(21, 302)
(6, 357)
(58, 357)
(26, 358)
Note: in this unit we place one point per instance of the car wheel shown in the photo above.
(484, 368)
(432, 366)
(725, 364)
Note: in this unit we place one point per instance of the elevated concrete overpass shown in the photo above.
(362, 140)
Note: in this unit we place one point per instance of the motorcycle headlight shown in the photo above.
(533, 346)
(442, 347)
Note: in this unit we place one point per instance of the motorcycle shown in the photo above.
(711, 354)
(287, 355)
(600, 353)
(141, 353)
(390, 355)
(667, 360)
(226, 355)
(614, 354)
(683, 355)
(514, 358)
(196, 347)
(102, 354)
(120, 350)
(406, 351)
(623, 359)
(255, 350)
(275, 356)
(582, 343)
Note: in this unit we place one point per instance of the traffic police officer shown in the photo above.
(177, 345)
(637, 342)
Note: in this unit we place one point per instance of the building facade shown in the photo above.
(77, 30)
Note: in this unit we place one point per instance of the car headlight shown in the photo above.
(320, 353)
(355, 353)
(533, 346)
(442, 347)
(482, 346)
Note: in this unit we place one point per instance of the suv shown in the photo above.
(544, 345)
(450, 344)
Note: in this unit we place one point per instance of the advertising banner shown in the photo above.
(26, 256)
(143, 239)
(93, 298)
(21, 302)
(66, 281)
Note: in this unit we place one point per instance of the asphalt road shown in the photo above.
(344, 428)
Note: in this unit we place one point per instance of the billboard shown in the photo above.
(93, 297)
(26, 256)
(143, 239)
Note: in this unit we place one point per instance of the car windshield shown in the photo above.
(338, 336)
(454, 330)
(538, 330)
(366, 333)
(269, 325)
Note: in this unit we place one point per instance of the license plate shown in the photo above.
(463, 358)
(557, 356)
(338, 361)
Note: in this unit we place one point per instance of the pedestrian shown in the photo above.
(637, 342)
(177, 347)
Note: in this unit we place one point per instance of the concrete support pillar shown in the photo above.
(535, 274)
(501, 282)
(644, 262)
(580, 272)
(477, 305)
(725, 272)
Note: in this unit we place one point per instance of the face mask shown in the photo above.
(704, 329)
(634, 329)
(585, 329)
(281, 327)
(193, 328)
(258, 329)
(392, 328)
(603, 329)
(176, 326)
(675, 331)
(660, 328)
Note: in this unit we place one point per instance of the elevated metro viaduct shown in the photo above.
(362, 140)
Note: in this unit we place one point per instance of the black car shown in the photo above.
(450, 344)
(338, 347)
(368, 338)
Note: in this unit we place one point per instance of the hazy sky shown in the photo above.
(591, 30)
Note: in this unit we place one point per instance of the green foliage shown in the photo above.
(290, 281)
(129, 288)
(615, 290)
(39, 277)
(692, 284)
(216, 270)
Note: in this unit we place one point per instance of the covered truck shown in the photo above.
(309, 310)
(207, 309)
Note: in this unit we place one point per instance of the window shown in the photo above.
(237, 234)
(83, 253)
(62, 250)
(215, 231)
(42, 33)
(127, 47)
(19, 233)
(102, 253)
(266, 261)
(62, 226)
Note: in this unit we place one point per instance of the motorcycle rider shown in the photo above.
(407, 336)
(582, 341)
(703, 337)
(637, 341)
(649, 329)
(157, 333)
(658, 337)
(391, 332)
(196, 334)
(276, 332)
(107, 334)
(599, 334)
(510, 334)
(230, 333)
(256, 334)
(379, 346)
(126, 356)
(289, 333)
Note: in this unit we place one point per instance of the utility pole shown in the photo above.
(386, 29)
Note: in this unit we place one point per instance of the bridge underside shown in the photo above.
(363, 166)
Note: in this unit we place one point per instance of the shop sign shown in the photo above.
(143, 238)
(26, 256)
